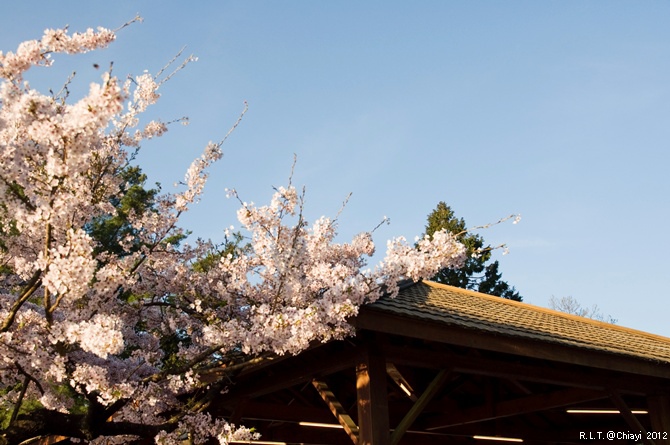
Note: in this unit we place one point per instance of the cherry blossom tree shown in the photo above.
(99, 339)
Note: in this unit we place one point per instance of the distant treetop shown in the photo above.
(478, 273)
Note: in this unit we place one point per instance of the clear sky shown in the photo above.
(558, 110)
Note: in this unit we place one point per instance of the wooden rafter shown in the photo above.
(521, 371)
(380, 321)
(337, 409)
(294, 413)
(522, 405)
(291, 371)
(630, 418)
(399, 380)
(419, 406)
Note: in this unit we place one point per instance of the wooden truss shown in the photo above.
(403, 381)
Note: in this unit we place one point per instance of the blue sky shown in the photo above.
(557, 110)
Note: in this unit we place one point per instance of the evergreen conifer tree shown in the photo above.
(478, 273)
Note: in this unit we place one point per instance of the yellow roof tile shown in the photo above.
(459, 307)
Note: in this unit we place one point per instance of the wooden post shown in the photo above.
(659, 414)
(373, 414)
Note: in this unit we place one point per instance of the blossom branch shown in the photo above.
(24, 387)
(17, 406)
(33, 284)
(128, 320)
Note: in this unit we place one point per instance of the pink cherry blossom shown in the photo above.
(131, 328)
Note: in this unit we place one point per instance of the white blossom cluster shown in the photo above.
(126, 331)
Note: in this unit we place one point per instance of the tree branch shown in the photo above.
(33, 284)
(19, 402)
(47, 422)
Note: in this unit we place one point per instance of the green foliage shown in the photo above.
(134, 199)
(170, 345)
(80, 405)
(231, 246)
(475, 274)
(6, 409)
(492, 284)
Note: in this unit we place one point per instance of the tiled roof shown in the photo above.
(458, 307)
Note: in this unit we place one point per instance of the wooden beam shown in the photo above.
(48, 440)
(280, 412)
(399, 380)
(377, 320)
(338, 410)
(373, 416)
(556, 374)
(509, 408)
(238, 412)
(419, 406)
(659, 413)
(290, 371)
(630, 418)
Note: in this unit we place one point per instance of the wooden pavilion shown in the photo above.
(443, 365)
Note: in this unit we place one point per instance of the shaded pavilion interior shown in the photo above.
(441, 365)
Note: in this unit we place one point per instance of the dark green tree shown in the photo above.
(478, 273)
(133, 197)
